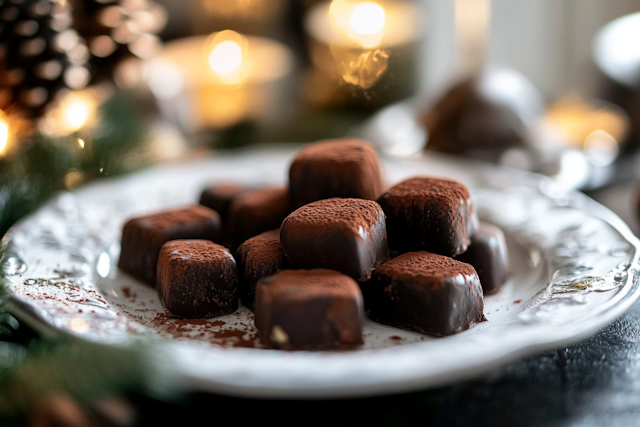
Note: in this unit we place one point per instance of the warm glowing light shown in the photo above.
(76, 114)
(75, 111)
(226, 57)
(367, 18)
(4, 135)
(81, 142)
(586, 124)
(364, 22)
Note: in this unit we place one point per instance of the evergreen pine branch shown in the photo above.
(32, 174)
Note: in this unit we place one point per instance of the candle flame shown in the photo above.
(226, 58)
(367, 18)
(362, 21)
(81, 142)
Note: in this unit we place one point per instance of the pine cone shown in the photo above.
(40, 55)
(117, 30)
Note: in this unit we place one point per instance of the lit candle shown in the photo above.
(218, 81)
(373, 46)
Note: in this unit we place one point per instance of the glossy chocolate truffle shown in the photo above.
(335, 168)
(309, 310)
(219, 197)
(426, 293)
(258, 257)
(483, 116)
(254, 212)
(431, 214)
(197, 278)
(346, 235)
(142, 237)
(489, 255)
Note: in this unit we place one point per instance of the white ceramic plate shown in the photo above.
(574, 271)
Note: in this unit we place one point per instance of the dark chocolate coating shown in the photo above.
(197, 278)
(142, 237)
(427, 293)
(470, 122)
(309, 310)
(432, 214)
(258, 257)
(346, 235)
(254, 212)
(489, 255)
(219, 197)
(335, 168)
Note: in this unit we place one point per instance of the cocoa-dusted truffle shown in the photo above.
(426, 293)
(197, 278)
(346, 235)
(308, 310)
(488, 254)
(219, 197)
(258, 257)
(335, 168)
(142, 237)
(432, 214)
(254, 212)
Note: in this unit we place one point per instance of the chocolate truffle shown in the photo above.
(335, 168)
(488, 254)
(426, 293)
(142, 237)
(346, 235)
(484, 115)
(219, 196)
(258, 257)
(308, 310)
(197, 278)
(254, 212)
(431, 214)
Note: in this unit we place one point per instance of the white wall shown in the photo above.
(549, 41)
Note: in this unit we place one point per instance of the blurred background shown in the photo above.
(106, 86)
(96, 88)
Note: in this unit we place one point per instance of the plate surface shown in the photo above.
(574, 270)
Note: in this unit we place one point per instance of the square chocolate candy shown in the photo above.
(427, 293)
(431, 214)
(346, 235)
(143, 236)
(489, 255)
(258, 257)
(197, 278)
(335, 168)
(309, 310)
(254, 212)
(219, 197)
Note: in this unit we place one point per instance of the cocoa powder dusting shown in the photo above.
(170, 218)
(351, 214)
(267, 244)
(441, 189)
(424, 264)
(213, 331)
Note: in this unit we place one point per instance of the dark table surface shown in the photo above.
(593, 383)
